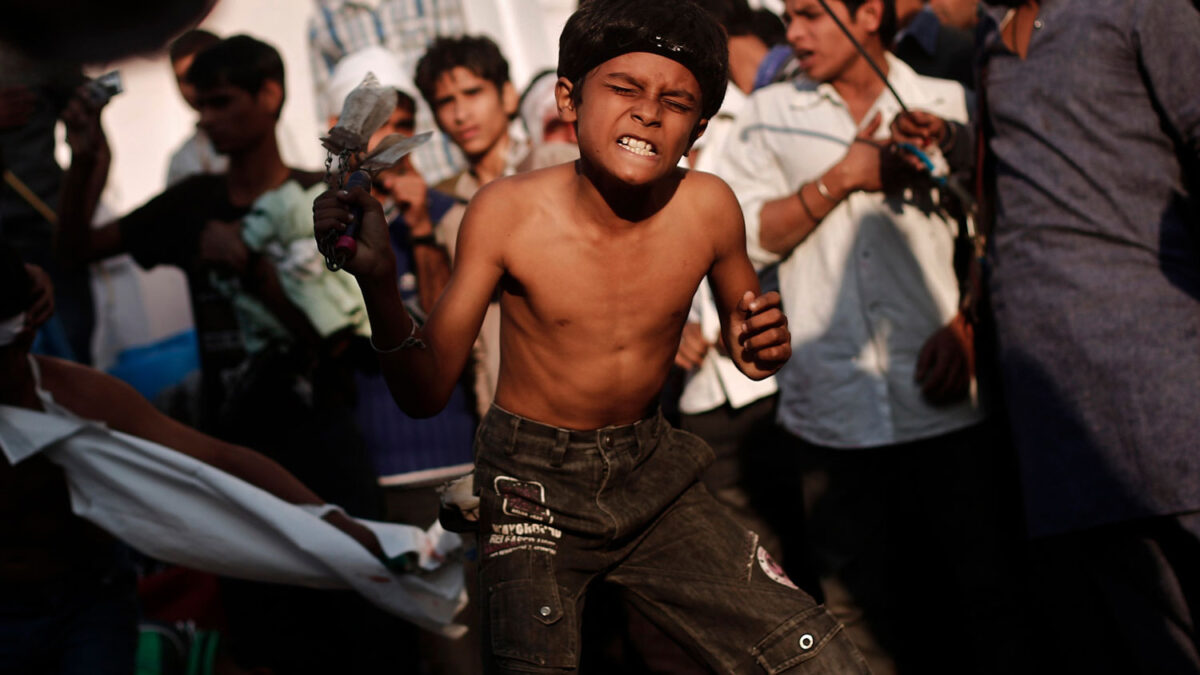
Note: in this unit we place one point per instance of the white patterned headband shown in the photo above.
(11, 328)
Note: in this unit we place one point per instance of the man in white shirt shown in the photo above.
(898, 475)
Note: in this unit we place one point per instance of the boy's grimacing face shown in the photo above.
(472, 110)
(821, 48)
(636, 116)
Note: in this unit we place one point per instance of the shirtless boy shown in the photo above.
(580, 477)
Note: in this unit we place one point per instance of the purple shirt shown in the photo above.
(1095, 259)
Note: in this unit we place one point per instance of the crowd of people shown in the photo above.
(855, 338)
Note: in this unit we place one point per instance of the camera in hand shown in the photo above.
(103, 88)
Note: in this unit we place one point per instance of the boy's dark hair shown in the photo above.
(476, 53)
(239, 61)
(769, 27)
(676, 29)
(14, 279)
(191, 42)
(404, 100)
(887, 24)
(735, 16)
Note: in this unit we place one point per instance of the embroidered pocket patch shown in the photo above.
(523, 499)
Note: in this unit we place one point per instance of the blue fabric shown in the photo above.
(771, 65)
(924, 28)
(51, 340)
(398, 444)
(153, 367)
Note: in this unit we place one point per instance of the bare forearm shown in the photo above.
(264, 473)
(78, 242)
(102, 397)
(784, 223)
(417, 383)
(268, 475)
(127, 411)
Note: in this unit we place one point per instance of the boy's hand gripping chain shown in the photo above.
(365, 109)
(346, 244)
(387, 154)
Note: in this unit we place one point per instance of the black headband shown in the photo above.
(634, 42)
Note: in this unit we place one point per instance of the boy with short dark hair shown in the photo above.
(581, 480)
(465, 82)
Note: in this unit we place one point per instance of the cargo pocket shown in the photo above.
(529, 623)
(812, 642)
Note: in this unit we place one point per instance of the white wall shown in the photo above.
(526, 30)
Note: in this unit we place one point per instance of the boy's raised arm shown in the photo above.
(421, 364)
(754, 326)
(78, 242)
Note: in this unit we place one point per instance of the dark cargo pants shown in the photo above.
(562, 509)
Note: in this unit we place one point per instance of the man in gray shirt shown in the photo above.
(1091, 111)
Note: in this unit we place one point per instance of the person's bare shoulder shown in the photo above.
(708, 187)
(499, 213)
(515, 200)
(536, 183)
(712, 203)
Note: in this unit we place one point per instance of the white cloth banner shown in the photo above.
(180, 510)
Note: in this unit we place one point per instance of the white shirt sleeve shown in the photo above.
(750, 167)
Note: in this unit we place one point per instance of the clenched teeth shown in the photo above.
(637, 146)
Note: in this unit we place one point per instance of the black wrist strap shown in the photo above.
(424, 240)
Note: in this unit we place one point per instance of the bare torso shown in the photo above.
(592, 311)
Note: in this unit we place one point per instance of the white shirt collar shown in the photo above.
(902, 77)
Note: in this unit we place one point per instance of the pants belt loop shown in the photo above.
(648, 431)
(511, 448)
(560, 447)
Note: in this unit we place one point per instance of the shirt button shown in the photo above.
(806, 641)
(1037, 24)
(544, 611)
